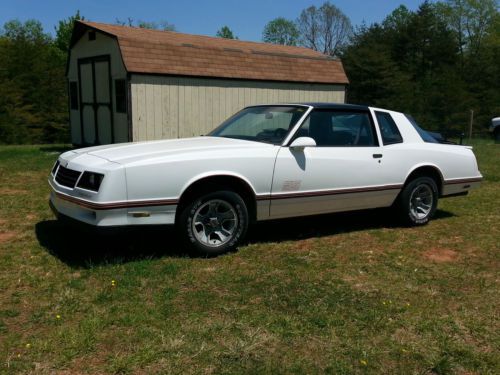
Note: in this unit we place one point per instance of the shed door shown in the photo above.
(96, 108)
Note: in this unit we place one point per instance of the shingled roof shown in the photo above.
(172, 53)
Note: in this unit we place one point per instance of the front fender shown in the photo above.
(216, 173)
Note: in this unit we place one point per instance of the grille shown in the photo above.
(67, 177)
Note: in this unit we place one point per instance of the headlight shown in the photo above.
(54, 168)
(90, 181)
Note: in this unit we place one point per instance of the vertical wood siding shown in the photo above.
(177, 107)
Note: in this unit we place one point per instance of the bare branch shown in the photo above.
(325, 29)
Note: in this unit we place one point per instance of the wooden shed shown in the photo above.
(132, 84)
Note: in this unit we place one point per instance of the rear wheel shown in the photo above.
(214, 223)
(496, 134)
(417, 202)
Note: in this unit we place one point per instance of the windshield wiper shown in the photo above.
(245, 138)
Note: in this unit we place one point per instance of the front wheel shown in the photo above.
(418, 201)
(214, 223)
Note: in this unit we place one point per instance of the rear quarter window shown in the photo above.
(426, 137)
(388, 128)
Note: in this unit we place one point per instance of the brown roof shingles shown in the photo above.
(167, 52)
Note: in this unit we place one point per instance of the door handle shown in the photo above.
(377, 156)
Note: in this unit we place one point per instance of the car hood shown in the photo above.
(124, 153)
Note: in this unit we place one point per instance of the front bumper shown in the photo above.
(96, 214)
(111, 217)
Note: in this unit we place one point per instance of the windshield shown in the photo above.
(270, 124)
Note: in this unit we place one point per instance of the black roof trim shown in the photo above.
(333, 106)
(354, 107)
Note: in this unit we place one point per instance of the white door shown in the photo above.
(345, 171)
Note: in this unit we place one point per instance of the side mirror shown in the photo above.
(302, 142)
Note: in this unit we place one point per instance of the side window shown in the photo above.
(121, 95)
(73, 95)
(339, 129)
(388, 128)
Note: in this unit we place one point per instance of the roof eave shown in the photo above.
(339, 83)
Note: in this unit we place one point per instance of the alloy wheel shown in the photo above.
(214, 223)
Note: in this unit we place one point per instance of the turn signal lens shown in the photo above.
(54, 169)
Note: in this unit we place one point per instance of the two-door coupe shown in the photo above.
(265, 162)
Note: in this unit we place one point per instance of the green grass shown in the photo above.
(340, 294)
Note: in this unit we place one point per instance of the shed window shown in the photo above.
(388, 128)
(121, 95)
(91, 35)
(73, 95)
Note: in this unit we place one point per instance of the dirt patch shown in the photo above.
(8, 191)
(7, 236)
(304, 245)
(441, 255)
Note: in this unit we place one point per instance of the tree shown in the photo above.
(281, 31)
(326, 29)
(33, 104)
(471, 20)
(476, 26)
(408, 63)
(225, 32)
(64, 30)
(128, 22)
(161, 25)
(30, 31)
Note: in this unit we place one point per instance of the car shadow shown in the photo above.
(85, 247)
(328, 225)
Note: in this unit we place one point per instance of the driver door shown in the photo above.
(345, 171)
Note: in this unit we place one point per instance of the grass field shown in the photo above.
(340, 294)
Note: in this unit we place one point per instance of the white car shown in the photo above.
(265, 162)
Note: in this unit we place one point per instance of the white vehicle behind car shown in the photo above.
(266, 162)
(495, 128)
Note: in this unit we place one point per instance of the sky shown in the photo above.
(246, 18)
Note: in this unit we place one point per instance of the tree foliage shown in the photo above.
(161, 25)
(225, 32)
(33, 92)
(64, 30)
(470, 20)
(32, 85)
(326, 29)
(425, 63)
(437, 63)
(281, 31)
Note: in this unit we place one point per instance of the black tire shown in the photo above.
(411, 197)
(200, 207)
(496, 134)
